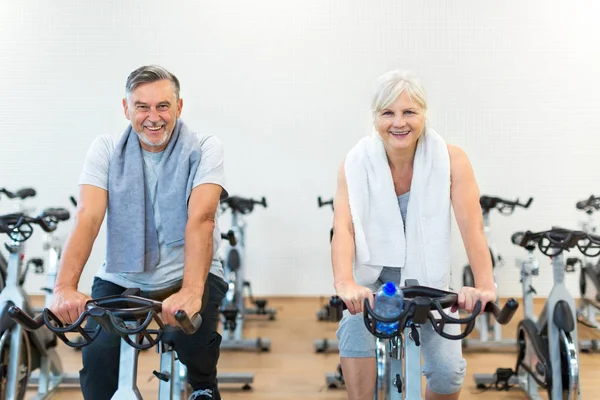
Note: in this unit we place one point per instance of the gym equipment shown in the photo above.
(398, 353)
(129, 316)
(20, 194)
(22, 352)
(548, 349)
(484, 322)
(589, 278)
(233, 307)
(324, 314)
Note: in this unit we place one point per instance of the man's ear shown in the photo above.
(179, 107)
(126, 108)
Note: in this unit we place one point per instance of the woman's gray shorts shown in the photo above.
(443, 364)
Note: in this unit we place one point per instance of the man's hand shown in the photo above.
(187, 299)
(68, 304)
(468, 296)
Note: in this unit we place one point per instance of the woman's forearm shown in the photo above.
(479, 257)
(342, 255)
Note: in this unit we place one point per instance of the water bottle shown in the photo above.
(389, 301)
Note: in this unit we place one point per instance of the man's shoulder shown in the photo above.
(204, 139)
(105, 143)
(204, 143)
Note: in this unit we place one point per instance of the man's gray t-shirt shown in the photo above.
(171, 259)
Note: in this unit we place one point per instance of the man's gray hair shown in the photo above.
(148, 74)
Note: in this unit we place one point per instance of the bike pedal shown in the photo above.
(260, 304)
(504, 374)
(163, 376)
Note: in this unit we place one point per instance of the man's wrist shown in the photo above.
(61, 287)
(195, 287)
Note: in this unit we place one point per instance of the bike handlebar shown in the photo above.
(21, 193)
(324, 203)
(243, 205)
(555, 241)
(419, 302)
(589, 205)
(111, 312)
(505, 207)
(18, 225)
(59, 213)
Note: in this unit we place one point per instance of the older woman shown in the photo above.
(392, 222)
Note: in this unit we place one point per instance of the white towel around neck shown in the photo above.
(423, 252)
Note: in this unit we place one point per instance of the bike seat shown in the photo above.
(563, 317)
(234, 260)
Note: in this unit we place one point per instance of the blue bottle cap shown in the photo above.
(389, 288)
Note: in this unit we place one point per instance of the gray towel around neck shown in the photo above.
(132, 240)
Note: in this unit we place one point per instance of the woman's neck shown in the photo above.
(401, 160)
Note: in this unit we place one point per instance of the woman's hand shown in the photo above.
(468, 296)
(354, 295)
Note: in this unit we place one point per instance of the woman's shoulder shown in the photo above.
(459, 162)
(456, 153)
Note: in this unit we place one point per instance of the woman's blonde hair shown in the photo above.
(391, 85)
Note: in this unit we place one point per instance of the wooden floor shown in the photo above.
(293, 371)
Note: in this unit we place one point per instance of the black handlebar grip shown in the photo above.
(336, 308)
(73, 201)
(581, 204)
(517, 238)
(188, 326)
(504, 315)
(25, 193)
(264, 202)
(230, 237)
(528, 203)
(324, 203)
(59, 213)
(28, 323)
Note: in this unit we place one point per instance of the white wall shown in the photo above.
(286, 87)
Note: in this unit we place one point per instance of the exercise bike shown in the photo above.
(233, 307)
(484, 322)
(23, 352)
(547, 348)
(398, 353)
(21, 194)
(129, 316)
(324, 314)
(589, 277)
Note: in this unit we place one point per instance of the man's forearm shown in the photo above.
(198, 253)
(74, 257)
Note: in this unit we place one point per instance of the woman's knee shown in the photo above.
(446, 376)
(355, 341)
